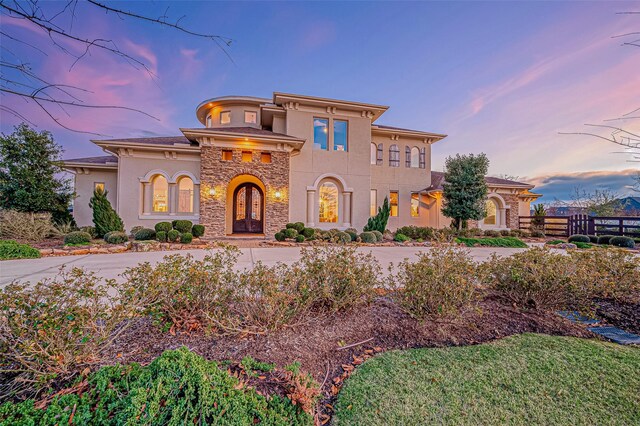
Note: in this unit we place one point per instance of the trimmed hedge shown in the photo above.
(186, 238)
(368, 237)
(578, 238)
(593, 239)
(290, 233)
(401, 238)
(299, 238)
(298, 226)
(625, 242)
(308, 232)
(173, 236)
(182, 226)
(145, 234)
(279, 236)
(116, 237)
(378, 235)
(161, 236)
(163, 226)
(9, 249)
(493, 242)
(197, 231)
(77, 237)
(604, 239)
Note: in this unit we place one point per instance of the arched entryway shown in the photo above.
(248, 209)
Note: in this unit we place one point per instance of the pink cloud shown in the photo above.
(317, 35)
(192, 66)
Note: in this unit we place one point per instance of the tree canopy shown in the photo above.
(465, 189)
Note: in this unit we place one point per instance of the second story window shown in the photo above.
(423, 158)
(415, 157)
(379, 154)
(320, 133)
(225, 117)
(247, 156)
(340, 135)
(250, 117)
(374, 150)
(209, 120)
(394, 156)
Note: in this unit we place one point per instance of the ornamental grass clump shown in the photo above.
(440, 283)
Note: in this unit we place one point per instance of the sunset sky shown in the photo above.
(500, 78)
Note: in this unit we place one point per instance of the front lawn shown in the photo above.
(526, 379)
(493, 242)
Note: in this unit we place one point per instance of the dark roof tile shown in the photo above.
(104, 159)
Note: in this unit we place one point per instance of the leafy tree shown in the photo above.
(465, 189)
(379, 221)
(29, 169)
(105, 218)
(539, 212)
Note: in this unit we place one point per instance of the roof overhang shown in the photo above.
(115, 146)
(250, 140)
(79, 167)
(370, 110)
(427, 137)
(205, 106)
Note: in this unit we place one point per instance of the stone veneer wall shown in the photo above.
(513, 216)
(216, 174)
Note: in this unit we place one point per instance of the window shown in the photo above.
(407, 156)
(393, 201)
(328, 205)
(209, 120)
(415, 204)
(415, 157)
(227, 155)
(374, 203)
(185, 195)
(98, 186)
(265, 157)
(160, 194)
(246, 156)
(423, 158)
(374, 153)
(394, 156)
(320, 133)
(379, 155)
(225, 117)
(250, 117)
(340, 130)
(492, 211)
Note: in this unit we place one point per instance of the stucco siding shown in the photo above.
(84, 185)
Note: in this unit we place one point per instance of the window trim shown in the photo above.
(314, 132)
(417, 164)
(374, 154)
(193, 192)
(255, 114)
(209, 120)
(153, 195)
(225, 112)
(346, 135)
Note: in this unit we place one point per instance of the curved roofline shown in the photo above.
(230, 98)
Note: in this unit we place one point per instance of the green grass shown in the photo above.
(9, 249)
(556, 242)
(493, 242)
(526, 379)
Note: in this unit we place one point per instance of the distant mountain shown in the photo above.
(628, 206)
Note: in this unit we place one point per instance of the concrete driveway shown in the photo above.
(112, 265)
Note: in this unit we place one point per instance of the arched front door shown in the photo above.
(248, 209)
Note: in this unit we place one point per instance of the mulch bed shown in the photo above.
(316, 344)
(620, 314)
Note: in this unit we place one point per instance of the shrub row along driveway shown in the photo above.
(112, 265)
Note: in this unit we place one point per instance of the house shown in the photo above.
(256, 164)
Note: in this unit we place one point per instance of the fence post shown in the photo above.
(591, 225)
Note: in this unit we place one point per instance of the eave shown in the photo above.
(373, 111)
(427, 137)
(217, 136)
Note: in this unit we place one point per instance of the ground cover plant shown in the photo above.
(504, 382)
(493, 242)
(10, 249)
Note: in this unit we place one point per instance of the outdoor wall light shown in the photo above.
(212, 192)
(278, 195)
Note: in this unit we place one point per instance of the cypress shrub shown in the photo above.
(105, 217)
(379, 221)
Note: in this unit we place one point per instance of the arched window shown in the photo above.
(415, 157)
(328, 203)
(209, 123)
(160, 194)
(374, 150)
(380, 153)
(394, 156)
(492, 213)
(185, 195)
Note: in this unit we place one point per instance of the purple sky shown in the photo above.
(500, 78)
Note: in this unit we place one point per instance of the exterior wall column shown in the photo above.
(173, 198)
(147, 200)
(311, 207)
(196, 199)
(346, 209)
(503, 218)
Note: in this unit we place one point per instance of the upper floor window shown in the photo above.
(209, 122)
(247, 156)
(185, 195)
(225, 117)
(265, 157)
(160, 194)
(227, 155)
(394, 156)
(320, 133)
(373, 202)
(250, 117)
(393, 202)
(340, 131)
(415, 204)
(374, 150)
(379, 154)
(415, 157)
(423, 158)
(328, 203)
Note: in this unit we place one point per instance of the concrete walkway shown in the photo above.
(112, 265)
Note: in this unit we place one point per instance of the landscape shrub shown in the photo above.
(593, 239)
(182, 226)
(579, 238)
(298, 226)
(299, 238)
(9, 249)
(378, 235)
(145, 234)
(536, 278)
(525, 233)
(401, 238)
(116, 237)
(493, 242)
(161, 236)
(379, 221)
(197, 231)
(308, 232)
(163, 226)
(55, 328)
(135, 230)
(344, 238)
(177, 388)
(173, 236)
(351, 230)
(290, 233)
(91, 230)
(35, 227)
(625, 242)
(492, 233)
(604, 239)
(186, 238)
(516, 233)
(368, 237)
(440, 283)
(279, 236)
(63, 228)
(353, 235)
(77, 237)
(555, 242)
(505, 232)
(105, 218)
(417, 232)
(336, 278)
(536, 233)
(581, 245)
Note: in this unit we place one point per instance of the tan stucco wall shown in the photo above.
(237, 115)
(84, 185)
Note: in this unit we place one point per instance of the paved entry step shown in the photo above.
(616, 335)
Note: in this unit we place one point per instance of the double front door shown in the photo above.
(248, 209)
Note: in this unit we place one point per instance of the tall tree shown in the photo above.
(105, 218)
(29, 173)
(465, 189)
(379, 221)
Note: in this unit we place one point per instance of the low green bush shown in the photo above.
(135, 229)
(352, 234)
(555, 242)
(505, 232)
(290, 233)
(182, 226)
(492, 233)
(578, 238)
(177, 388)
(279, 236)
(625, 242)
(173, 236)
(593, 239)
(197, 230)
(91, 230)
(161, 236)
(186, 238)
(516, 233)
(308, 232)
(300, 238)
(536, 233)
(116, 237)
(368, 237)
(298, 226)
(604, 239)
(163, 226)
(493, 242)
(343, 238)
(145, 234)
(378, 235)
(10, 249)
(440, 283)
(77, 237)
(582, 245)
(401, 238)
(417, 232)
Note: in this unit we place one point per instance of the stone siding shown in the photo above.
(215, 174)
(512, 219)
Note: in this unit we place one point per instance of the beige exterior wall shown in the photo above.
(84, 184)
